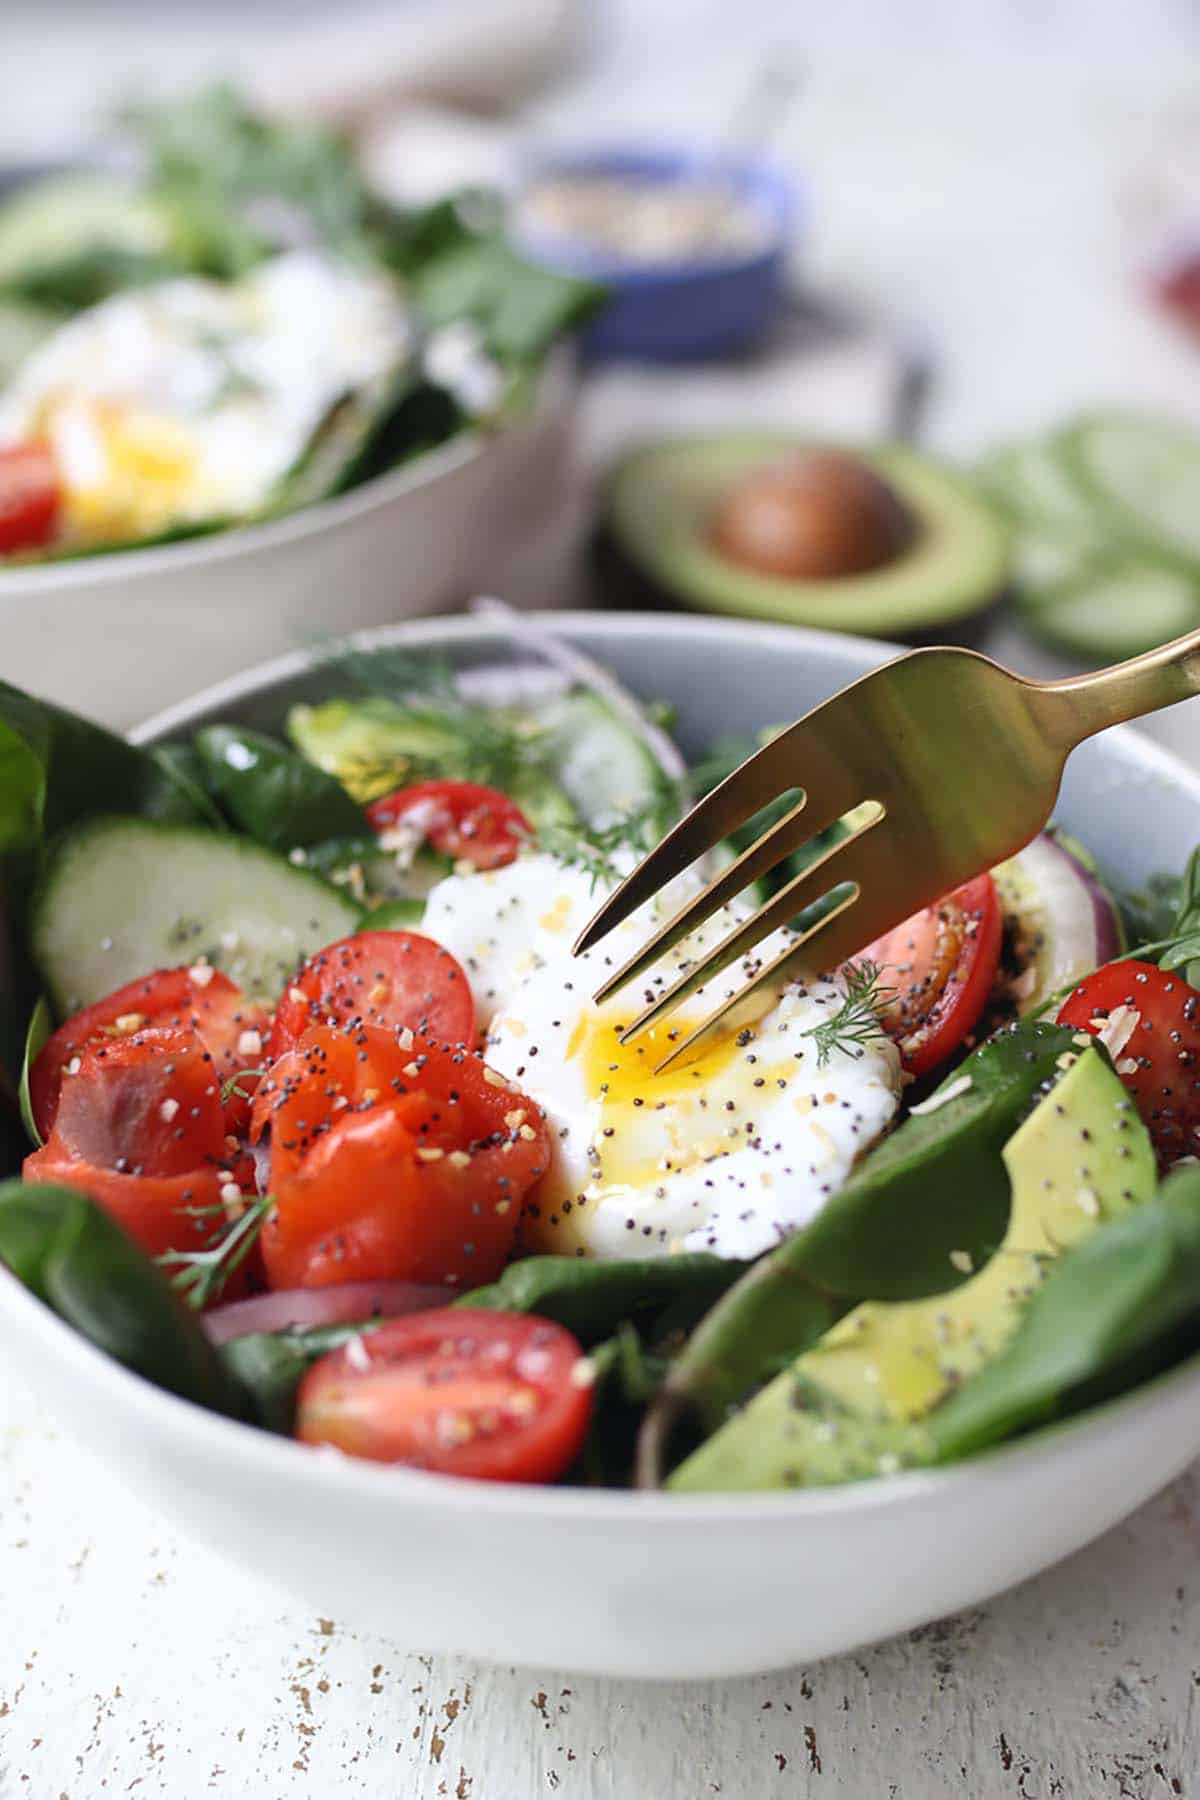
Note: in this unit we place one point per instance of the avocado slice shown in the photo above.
(369, 744)
(373, 745)
(857, 1403)
(659, 502)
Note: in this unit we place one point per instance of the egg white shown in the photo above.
(191, 399)
(727, 1152)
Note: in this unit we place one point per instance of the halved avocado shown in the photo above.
(661, 500)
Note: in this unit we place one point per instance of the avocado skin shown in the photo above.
(861, 1400)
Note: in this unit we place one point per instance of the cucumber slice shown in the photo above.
(603, 767)
(123, 896)
(1044, 562)
(1129, 608)
(1147, 473)
(1038, 483)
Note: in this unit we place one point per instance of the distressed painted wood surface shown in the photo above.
(134, 1663)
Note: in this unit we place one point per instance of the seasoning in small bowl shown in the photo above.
(692, 248)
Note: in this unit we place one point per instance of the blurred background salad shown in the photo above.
(888, 319)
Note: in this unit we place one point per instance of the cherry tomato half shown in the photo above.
(462, 819)
(197, 999)
(139, 1128)
(29, 497)
(390, 979)
(939, 967)
(496, 1396)
(391, 1164)
(1160, 1059)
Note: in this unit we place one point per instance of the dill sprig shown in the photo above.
(856, 1023)
(594, 848)
(229, 1087)
(490, 745)
(200, 1275)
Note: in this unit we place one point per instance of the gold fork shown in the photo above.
(938, 766)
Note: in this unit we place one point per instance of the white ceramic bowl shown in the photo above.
(649, 1584)
(121, 635)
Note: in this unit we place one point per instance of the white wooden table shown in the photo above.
(132, 1662)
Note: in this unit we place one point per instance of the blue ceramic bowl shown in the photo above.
(694, 307)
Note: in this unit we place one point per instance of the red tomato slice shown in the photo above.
(390, 979)
(462, 819)
(1160, 1060)
(491, 1395)
(29, 497)
(391, 1164)
(147, 1104)
(139, 1127)
(939, 966)
(198, 999)
(162, 1213)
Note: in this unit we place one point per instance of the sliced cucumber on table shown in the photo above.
(1037, 482)
(1107, 538)
(121, 896)
(1129, 608)
(1146, 472)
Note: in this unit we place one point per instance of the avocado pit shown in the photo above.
(817, 516)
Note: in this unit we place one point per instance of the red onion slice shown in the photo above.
(345, 1304)
(1064, 921)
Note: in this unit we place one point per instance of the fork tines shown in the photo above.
(826, 888)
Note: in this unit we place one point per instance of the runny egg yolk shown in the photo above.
(649, 1122)
(125, 471)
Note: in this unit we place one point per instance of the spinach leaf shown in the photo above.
(593, 1299)
(278, 797)
(518, 307)
(239, 184)
(1149, 914)
(22, 787)
(626, 1377)
(1165, 921)
(68, 1252)
(1110, 1312)
(70, 768)
(185, 769)
(269, 1366)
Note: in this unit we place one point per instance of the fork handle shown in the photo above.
(1074, 709)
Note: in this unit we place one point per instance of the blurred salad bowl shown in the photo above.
(119, 635)
(228, 368)
(677, 1583)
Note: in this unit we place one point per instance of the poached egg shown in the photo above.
(190, 400)
(729, 1151)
